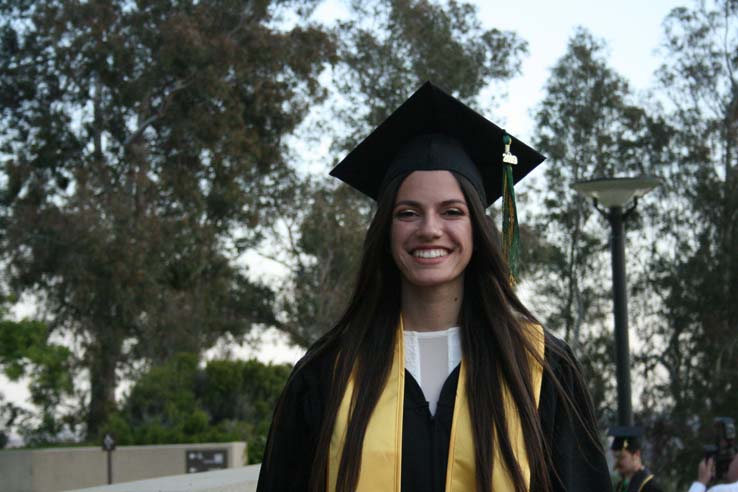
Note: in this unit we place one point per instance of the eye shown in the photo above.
(405, 213)
(454, 212)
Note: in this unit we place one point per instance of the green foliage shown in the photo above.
(141, 154)
(180, 402)
(23, 344)
(27, 352)
(165, 392)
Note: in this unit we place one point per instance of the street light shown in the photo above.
(614, 193)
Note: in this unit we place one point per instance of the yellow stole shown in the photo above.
(381, 458)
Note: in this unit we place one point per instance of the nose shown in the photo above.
(430, 227)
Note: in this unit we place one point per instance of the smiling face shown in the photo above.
(431, 234)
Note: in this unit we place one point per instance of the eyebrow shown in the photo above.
(412, 203)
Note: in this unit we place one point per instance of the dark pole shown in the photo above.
(620, 300)
(110, 466)
(108, 446)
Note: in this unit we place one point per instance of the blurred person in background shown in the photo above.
(706, 474)
(626, 450)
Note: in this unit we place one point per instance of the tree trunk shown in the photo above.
(104, 355)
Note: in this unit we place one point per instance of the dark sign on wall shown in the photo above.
(200, 460)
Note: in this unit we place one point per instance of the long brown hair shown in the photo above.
(495, 347)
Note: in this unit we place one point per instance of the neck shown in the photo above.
(628, 476)
(431, 309)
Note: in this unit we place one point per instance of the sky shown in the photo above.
(631, 29)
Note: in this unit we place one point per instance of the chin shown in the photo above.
(428, 284)
(428, 281)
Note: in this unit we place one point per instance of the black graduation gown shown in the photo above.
(580, 465)
(636, 483)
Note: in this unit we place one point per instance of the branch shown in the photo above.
(276, 260)
(240, 25)
(179, 85)
(293, 246)
(293, 332)
(727, 51)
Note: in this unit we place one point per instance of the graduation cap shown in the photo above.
(625, 437)
(434, 131)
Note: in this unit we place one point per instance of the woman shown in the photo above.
(436, 377)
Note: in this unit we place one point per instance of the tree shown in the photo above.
(27, 352)
(589, 127)
(392, 46)
(387, 49)
(180, 402)
(142, 148)
(323, 247)
(694, 263)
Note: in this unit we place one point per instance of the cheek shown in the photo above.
(466, 238)
(396, 240)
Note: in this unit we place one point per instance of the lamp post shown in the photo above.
(614, 193)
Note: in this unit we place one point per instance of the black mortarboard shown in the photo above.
(434, 131)
(625, 437)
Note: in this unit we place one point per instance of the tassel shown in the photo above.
(510, 232)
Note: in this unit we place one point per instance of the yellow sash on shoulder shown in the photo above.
(381, 459)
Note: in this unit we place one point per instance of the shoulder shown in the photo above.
(304, 395)
(563, 382)
(556, 344)
(559, 355)
(314, 369)
(728, 487)
(648, 481)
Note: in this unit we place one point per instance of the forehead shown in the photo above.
(624, 453)
(430, 186)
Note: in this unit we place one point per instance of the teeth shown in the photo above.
(429, 253)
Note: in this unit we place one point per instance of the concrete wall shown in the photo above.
(232, 480)
(57, 469)
(16, 468)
